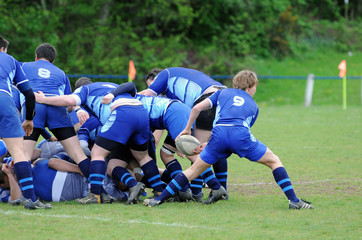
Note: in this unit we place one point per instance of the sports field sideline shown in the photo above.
(321, 147)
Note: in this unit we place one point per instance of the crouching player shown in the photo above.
(235, 115)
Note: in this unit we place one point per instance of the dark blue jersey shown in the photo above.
(48, 78)
(234, 107)
(184, 84)
(12, 73)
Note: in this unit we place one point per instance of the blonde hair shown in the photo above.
(245, 79)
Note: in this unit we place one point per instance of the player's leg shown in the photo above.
(68, 138)
(23, 173)
(116, 168)
(97, 171)
(30, 142)
(281, 177)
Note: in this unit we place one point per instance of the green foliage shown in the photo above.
(216, 36)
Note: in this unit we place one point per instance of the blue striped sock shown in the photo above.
(210, 179)
(96, 176)
(84, 167)
(282, 179)
(196, 185)
(24, 175)
(179, 182)
(153, 176)
(124, 176)
(221, 171)
(175, 168)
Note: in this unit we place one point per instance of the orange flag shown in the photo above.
(343, 68)
(132, 71)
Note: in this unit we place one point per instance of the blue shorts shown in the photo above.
(226, 140)
(176, 118)
(9, 118)
(51, 117)
(128, 125)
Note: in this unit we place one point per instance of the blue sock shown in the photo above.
(196, 185)
(96, 176)
(221, 171)
(166, 176)
(174, 167)
(282, 179)
(25, 177)
(124, 176)
(152, 175)
(210, 179)
(84, 167)
(179, 182)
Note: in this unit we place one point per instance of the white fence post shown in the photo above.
(309, 90)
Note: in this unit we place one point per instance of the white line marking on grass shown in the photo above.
(296, 182)
(134, 221)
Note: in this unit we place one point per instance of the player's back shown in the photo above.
(8, 68)
(90, 96)
(184, 84)
(235, 107)
(46, 77)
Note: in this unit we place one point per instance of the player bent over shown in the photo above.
(236, 113)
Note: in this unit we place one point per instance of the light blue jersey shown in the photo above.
(184, 84)
(90, 97)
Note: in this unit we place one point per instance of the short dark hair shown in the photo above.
(46, 51)
(3, 43)
(154, 72)
(82, 81)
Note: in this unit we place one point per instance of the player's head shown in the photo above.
(82, 81)
(245, 79)
(46, 51)
(152, 75)
(3, 44)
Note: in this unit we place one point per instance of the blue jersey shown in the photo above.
(156, 107)
(56, 186)
(236, 112)
(184, 84)
(4, 195)
(12, 73)
(48, 78)
(90, 129)
(234, 107)
(90, 97)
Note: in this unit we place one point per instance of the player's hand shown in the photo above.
(108, 98)
(82, 116)
(180, 154)
(199, 148)
(39, 97)
(6, 169)
(184, 132)
(28, 127)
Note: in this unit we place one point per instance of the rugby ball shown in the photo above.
(186, 144)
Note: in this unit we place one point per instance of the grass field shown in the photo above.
(321, 148)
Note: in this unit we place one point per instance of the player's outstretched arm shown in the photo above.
(61, 101)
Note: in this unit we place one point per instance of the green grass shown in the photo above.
(321, 150)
